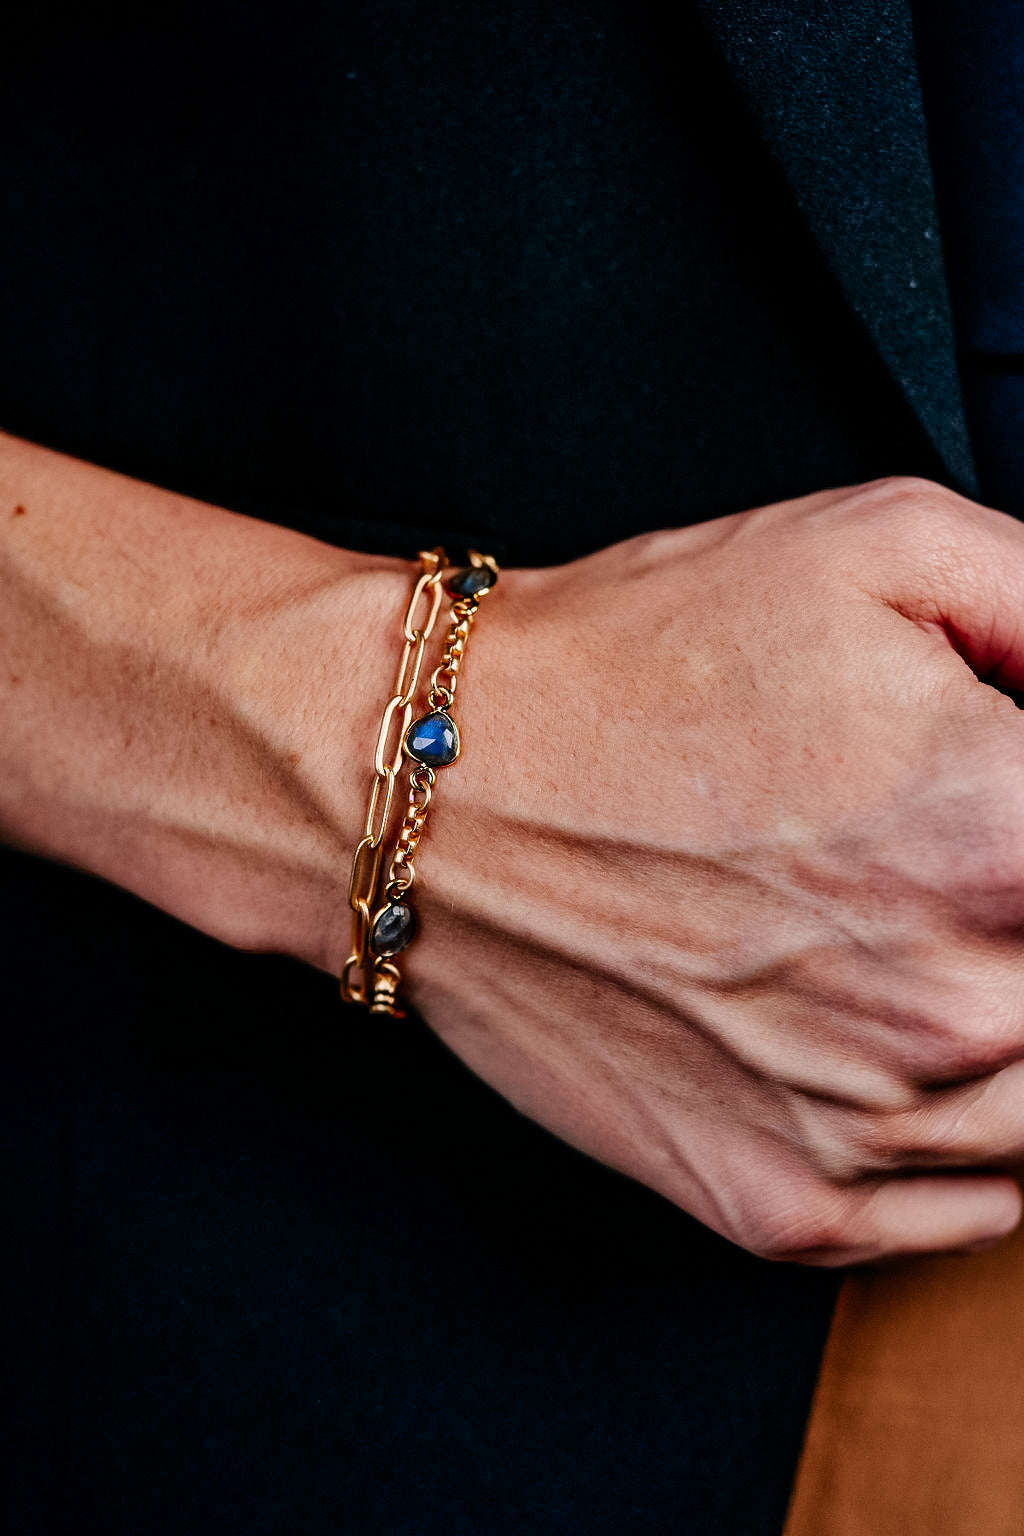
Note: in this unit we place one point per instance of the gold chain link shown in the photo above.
(442, 694)
(401, 873)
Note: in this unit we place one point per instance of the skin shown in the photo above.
(727, 888)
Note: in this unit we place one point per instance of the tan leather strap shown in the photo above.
(917, 1426)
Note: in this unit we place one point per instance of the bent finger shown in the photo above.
(978, 1124)
(901, 1217)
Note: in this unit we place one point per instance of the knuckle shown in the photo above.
(907, 520)
(880, 1141)
(985, 823)
(993, 893)
(842, 1142)
(916, 495)
(871, 1142)
(973, 1048)
(831, 1141)
(809, 1226)
(907, 500)
(911, 1138)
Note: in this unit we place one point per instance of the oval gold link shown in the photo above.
(401, 861)
(423, 581)
(351, 991)
(377, 836)
(360, 927)
(404, 689)
(380, 763)
(439, 687)
(421, 783)
(357, 881)
(433, 562)
(429, 582)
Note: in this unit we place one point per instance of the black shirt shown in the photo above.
(518, 274)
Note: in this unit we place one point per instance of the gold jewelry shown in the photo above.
(362, 885)
(370, 975)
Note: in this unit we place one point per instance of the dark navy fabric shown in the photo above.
(420, 268)
(972, 70)
(834, 89)
(384, 272)
(270, 1269)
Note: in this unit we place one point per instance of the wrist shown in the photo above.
(306, 667)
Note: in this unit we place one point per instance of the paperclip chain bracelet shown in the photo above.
(370, 975)
(366, 861)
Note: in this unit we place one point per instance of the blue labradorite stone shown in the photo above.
(473, 580)
(433, 740)
(392, 930)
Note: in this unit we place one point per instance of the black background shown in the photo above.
(517, 274)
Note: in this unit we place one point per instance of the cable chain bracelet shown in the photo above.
(370, 975)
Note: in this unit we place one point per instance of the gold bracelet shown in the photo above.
(370, 975)
(362, 885)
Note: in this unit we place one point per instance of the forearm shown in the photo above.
(725, 893)
(186, 699)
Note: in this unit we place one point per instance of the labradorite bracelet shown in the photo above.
(383, 927)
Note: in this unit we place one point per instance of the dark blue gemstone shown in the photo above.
(392, 930)
(472, 581)
(433, 740)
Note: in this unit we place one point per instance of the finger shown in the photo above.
(899, 1218)
(973, 1124)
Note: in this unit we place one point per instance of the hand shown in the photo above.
(727, 888)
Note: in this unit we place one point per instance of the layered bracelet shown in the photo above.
(384, 923)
